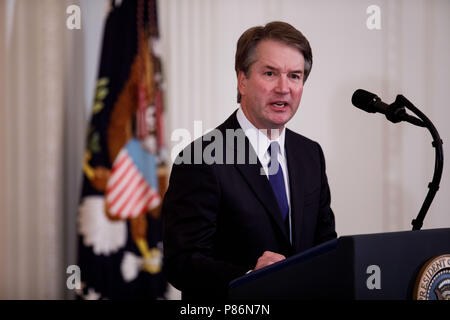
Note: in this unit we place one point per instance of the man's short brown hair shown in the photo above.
(278, 31)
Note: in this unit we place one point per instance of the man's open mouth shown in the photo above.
(279, 104)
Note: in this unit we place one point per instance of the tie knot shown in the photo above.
(275, 147)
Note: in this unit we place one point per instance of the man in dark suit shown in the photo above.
(251, 192)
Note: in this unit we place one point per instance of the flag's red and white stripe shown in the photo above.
(127, 193)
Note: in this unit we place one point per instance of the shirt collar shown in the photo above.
(259, 141)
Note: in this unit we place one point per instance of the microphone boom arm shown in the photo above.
(433, 186)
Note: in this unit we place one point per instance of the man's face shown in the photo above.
(271, 94)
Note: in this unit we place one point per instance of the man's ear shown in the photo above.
(242, 82)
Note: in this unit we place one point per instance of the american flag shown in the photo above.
(130, 191)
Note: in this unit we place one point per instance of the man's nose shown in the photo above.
(282, 85)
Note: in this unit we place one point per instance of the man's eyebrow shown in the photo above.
(276, 69)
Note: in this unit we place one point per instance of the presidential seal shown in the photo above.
(433, 281)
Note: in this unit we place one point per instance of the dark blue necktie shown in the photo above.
(276, 179)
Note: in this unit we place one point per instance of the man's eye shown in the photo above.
(269, 73)
(295, 76)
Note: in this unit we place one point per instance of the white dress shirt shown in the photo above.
(260, 143)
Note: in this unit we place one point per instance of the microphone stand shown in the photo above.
(397, 113)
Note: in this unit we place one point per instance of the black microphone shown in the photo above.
(394, 112)
(368, 102)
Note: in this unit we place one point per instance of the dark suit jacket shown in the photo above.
(218, 219)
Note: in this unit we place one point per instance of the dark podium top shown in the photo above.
(345, 268)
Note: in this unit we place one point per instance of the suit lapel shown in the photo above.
(295, 167)
(251, 172)
(261, 187)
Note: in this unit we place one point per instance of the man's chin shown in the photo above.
(279, 122)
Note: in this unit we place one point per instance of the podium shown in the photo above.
(369, 267)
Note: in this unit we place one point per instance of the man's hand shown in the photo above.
(268, 258)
